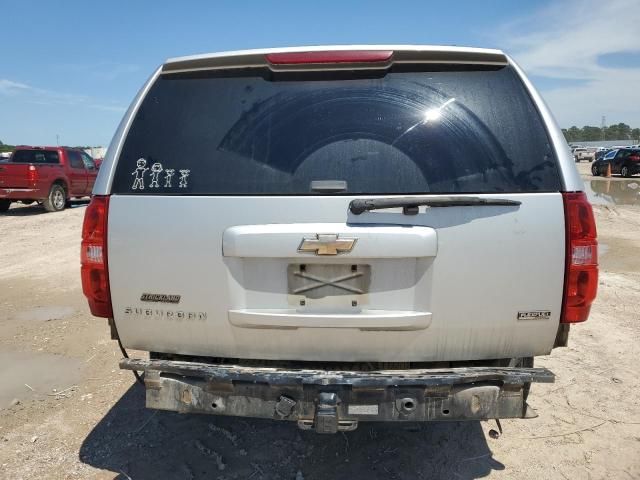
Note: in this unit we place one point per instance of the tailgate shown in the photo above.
(14, 175)
(446, 284)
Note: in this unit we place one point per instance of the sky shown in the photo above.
(71, 68)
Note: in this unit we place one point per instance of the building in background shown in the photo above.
(96, 152)
(606, 143)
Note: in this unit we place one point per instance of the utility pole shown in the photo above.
(603, 126)
(58, 139)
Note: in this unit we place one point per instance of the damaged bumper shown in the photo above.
(330, 401)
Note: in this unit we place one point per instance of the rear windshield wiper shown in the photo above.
(410, 204)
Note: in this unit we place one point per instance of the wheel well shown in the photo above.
(63, 184)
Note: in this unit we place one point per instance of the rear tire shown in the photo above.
(595, 171)
(4, 205)
(625, 171)
(56, 200)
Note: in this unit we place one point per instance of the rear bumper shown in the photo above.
(329, 401)
(21, 193)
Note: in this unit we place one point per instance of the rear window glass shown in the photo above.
(35, 156)
(444, 131)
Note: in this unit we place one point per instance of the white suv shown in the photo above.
(340, 234)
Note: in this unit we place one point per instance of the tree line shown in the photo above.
(620, 131)
(10, 148)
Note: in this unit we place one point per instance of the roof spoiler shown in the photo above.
(335, 58)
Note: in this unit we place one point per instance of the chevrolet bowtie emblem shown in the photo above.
(326, 244)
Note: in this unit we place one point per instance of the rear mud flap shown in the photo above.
(332, 401)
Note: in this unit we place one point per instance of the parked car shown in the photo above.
(356, 239)
(49, 175)
(584, 154)
(601, 153)
(623, 161)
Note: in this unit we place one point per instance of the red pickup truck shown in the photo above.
(49, 175)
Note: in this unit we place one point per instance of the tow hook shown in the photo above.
(326, 420)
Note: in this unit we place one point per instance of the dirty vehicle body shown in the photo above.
(49, 175)
(340, 234)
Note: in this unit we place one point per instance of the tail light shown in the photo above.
(93, 257)
(337, 56)
(32, 174)
(581, 271)
(634, 158)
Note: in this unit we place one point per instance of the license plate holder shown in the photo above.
(324, 280)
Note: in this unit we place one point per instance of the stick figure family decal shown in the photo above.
(168, 175)
(139, 172)
(156, 170)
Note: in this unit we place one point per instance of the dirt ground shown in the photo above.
(67, 411)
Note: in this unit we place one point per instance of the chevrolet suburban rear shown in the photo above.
(332, 235)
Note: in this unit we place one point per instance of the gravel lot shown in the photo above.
(68, 412)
